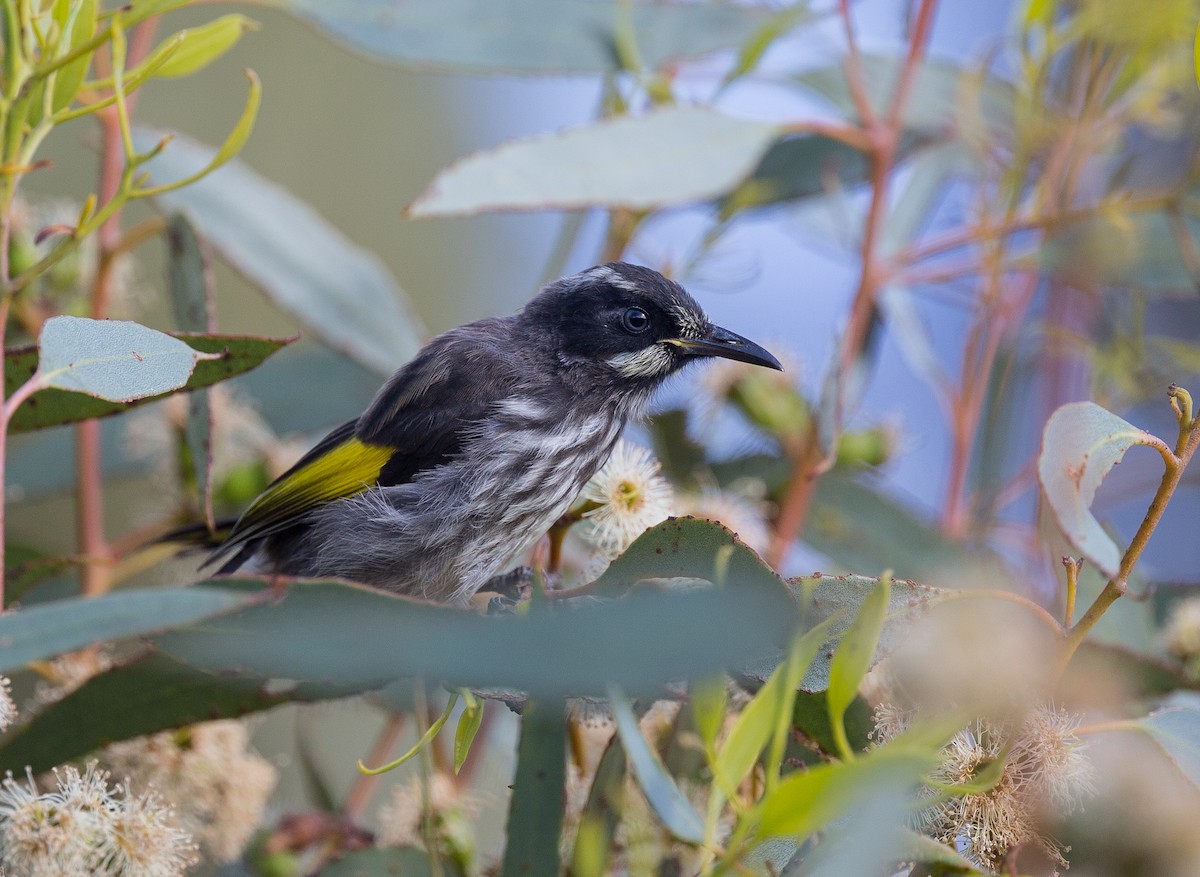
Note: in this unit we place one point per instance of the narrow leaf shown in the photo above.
(77, 24)
(760, 718)
(807, 801)
(853, 658)
(340, 292)
(188, 278)
(468, 726)
(536, 812)
(631, 162)
(148, 694)
(1080, 445)
(672, 807)
(202, 45)
(50, 629)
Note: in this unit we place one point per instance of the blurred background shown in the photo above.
(359, 139)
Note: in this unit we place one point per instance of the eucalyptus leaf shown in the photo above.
(77, 23)
(1080, 445)
(1176, 729)
(527, 36)
(150, 693)
(224, 357)
(200, 46)
(113, 360)
(673, 808)
(50, 629)
(841, 598)
(808, 801)
(369, 638)
(628, 161)
(340, 292)
(536, 811)
(854, 656)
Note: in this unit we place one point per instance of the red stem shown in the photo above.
(882, 140)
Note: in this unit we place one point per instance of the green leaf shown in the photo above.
(188, 280)
(628, 161)
(807, 801)
(369, 637)
(841, 598)
(672, 807)
(50, 629)
(601, 814)
(468, 727)
(1177, 730)
(854, 656)
(151, 693)
(340, 292)
(536, 812)
(708, 698)
(795, 167)
(1080, 445)
(77, 21)
(529, 36)
(231, 355)
(200, 46)
(113, 360)
(686, 548)
(757, 722)
(920, 848)
(380, 862)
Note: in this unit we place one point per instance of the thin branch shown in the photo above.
(1117, 585)
(856, 78)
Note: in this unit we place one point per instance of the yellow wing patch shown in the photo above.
(344, 470)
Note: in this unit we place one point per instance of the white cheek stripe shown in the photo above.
(645, 363)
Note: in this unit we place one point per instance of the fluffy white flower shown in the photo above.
(217, 784)
(1046, 773)
(631, 496)
(82, 828)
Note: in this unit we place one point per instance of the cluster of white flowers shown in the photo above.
(84, 827)
(1047, 773)
(217, 784)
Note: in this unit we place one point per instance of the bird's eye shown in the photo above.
(635, 321)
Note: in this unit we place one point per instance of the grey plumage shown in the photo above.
(493, 429)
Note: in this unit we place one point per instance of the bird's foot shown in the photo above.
(510, 589)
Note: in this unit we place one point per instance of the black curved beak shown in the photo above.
(723, 343)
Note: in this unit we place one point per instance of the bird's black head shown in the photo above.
(630, 327)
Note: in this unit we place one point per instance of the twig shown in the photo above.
(1072, 565)
(1175, 463)
(882, 142)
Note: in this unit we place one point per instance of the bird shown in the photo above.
(472, 450)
